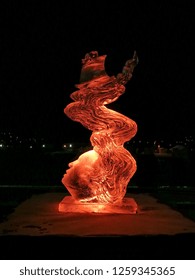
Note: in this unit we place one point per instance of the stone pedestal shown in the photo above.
(69, 205)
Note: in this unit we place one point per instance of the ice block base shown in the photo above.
(69, 205)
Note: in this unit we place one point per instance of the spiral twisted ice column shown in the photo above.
(110, 129)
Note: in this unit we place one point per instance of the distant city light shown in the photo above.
(22, 142)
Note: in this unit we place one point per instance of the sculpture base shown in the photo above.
(69, 205)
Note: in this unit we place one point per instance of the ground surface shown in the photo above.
(36, 230)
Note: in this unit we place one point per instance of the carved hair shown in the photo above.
(110, 129)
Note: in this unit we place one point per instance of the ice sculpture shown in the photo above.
(98, 179)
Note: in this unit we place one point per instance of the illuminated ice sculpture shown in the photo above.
(98, 179)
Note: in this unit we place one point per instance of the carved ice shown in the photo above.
(102, 174)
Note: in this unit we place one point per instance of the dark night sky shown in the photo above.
(43, 42)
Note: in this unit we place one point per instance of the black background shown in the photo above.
(43, 42)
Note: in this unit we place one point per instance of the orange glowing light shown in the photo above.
(101, 176)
